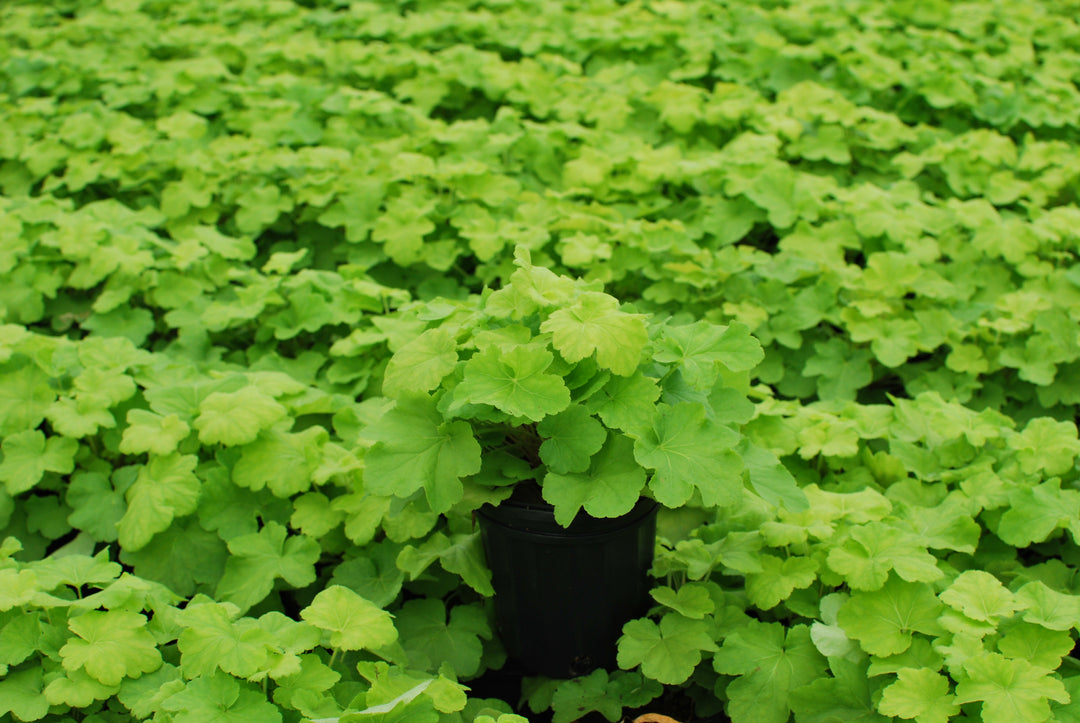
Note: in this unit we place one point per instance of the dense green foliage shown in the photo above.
(220, 220)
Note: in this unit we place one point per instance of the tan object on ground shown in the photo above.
(654, 718)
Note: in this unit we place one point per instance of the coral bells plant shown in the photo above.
(551, 382)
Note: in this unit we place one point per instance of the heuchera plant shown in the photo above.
(552, 382)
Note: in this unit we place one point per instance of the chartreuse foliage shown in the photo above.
(537, 372)
(277, 277)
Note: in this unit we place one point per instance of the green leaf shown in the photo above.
(1034, 513)
(430, 639)
(692, 600)
(282, 462)
(421, 364)
(884, 620)
(28, 456)
(220, 699)
(460, 554)
(260, 558)
(701, 349)
(848, 696)
(1041, 647)
(1046, 607)
(1046, 445)
(211, 638)
(1010, 690)
(770, 663)
(349, 621)
(514, 382)
(874, 549)
(770, 478)
(778, 579)
(22, 695)
(980, 596)
(575, 698)
(111, 645)
(571, 438)
(920, 694)
(25, 394)
(610, 488)
(415, 448)
(166, 488)
(594, 323)
(154, 433)
(668, 652)
(688, 451)
(626, 403)
(233, 418)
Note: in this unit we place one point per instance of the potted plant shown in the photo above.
(583, 416)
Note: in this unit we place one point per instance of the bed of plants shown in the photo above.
(856, 221)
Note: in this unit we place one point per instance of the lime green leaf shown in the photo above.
(848, 696)
(282, 462)
(350, 621)
(154, 433)
(165, 488)
(770, 663)
(700, 349)
(1034, 513)
(1046, 607)
(421, 364)
(920, 694)
(610, 488)
(415, 448)
(514, 382)
(77, 689)
(1046, 445)
(627, 403)
(599, 692)
(667, 653)
(28, 456)
(1010, 690)
(260, 558)
(1041, 647)
(980, 596)
(692, 600)
(111, 645)
(571, 438)
(25, 394)
(688, 451)
(884, 620)
(770, 478)
(233, 418)
(220, 699)
(778, 579)
(430, 639)
(874, 549)
(211, 638)
(594, 323)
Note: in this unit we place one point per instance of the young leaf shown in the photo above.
(701, 348)
(221, 699)
(778, 579)
(350, 621)
(233, 418)
(920, 694)
(154, 433)
(594, 323)
(514, 382)
(421, 364)
(692, 600)
(111, 645)
(980, 596)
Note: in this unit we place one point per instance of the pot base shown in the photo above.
(562, 595)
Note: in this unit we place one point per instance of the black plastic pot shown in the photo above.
(562, 595)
